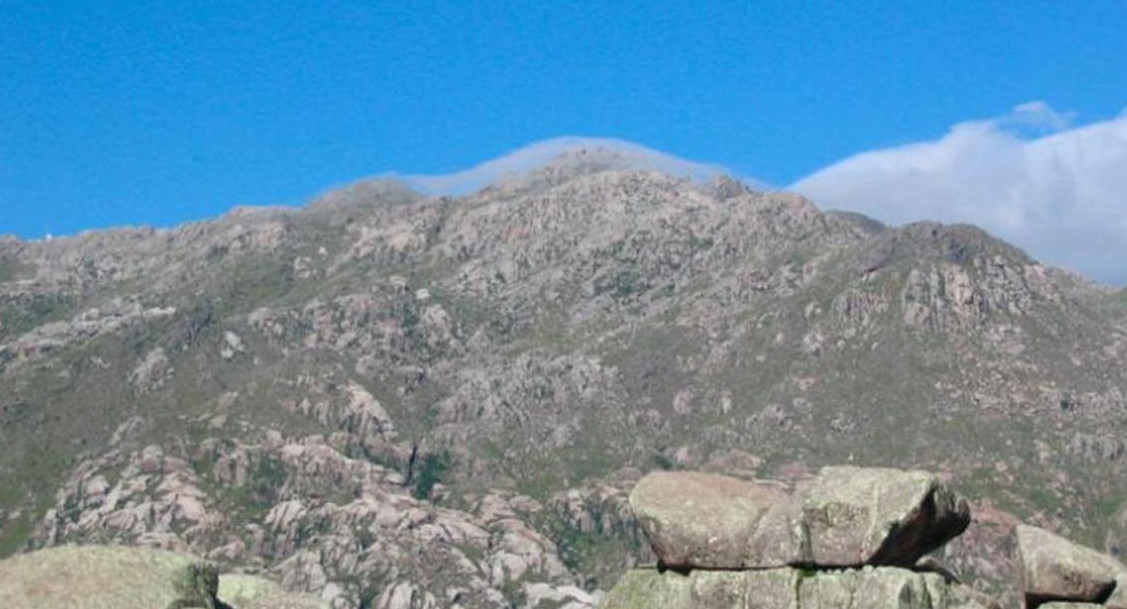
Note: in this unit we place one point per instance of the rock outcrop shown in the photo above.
(1056, 571)
(790, 588)
(707, 521)
(849, 538)
(844, 517)
(115, 577)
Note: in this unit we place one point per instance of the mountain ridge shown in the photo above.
(299, 391)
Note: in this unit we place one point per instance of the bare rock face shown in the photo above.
(873, 588)
(850, 516)
(1055, 569)
(845, 517)
(648, 588)
(96, 576)
(701, 520)
(789, 588)
(850, 538)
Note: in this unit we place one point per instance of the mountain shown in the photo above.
(393, 399)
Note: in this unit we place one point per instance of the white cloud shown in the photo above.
(1056, 191)
(539, 154)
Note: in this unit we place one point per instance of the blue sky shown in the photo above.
(159, 112)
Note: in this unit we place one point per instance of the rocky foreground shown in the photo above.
(108, 577)
(850, 538)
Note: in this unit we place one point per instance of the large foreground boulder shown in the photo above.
(850, 516)
(845, 517)
(1055, 569)
(790, 588)
(115, 577)
(696, 520)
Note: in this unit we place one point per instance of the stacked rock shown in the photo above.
(848, 539)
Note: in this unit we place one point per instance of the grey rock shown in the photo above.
(701, 520)
(791, 588)
(773, 589)
(1118, 598)
(1055, 569)
(873, 588)
(849, 516)
(846, 516)
(640, 589)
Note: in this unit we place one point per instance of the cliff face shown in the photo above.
(387, 396)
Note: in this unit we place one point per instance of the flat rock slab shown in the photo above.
(1055, 569)
(873, 588)
(845, 517)
(770, 589)
(787, 588)
(696, 520)
(850, 516)
(646, 588)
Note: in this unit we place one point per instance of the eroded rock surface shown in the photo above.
(845, 516)
(1055, 569)
(696, 520)
(851, 516)
(789, 588)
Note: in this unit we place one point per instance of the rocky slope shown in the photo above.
(392, 400)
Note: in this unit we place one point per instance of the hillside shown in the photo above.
(383, 396)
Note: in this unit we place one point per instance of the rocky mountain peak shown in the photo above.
(559, 157)
(376, 192)
(401, 395)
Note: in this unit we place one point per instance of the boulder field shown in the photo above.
(849, 538)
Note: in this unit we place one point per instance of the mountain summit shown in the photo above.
(562, 154)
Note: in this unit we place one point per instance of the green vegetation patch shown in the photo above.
(433, 469)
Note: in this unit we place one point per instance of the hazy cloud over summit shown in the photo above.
(539, 154)
(1028, 177)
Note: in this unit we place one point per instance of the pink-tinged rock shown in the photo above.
(844, 517)
(696, 520)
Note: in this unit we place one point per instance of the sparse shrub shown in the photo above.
(432, 470)
(663, 462)
(514, 592)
